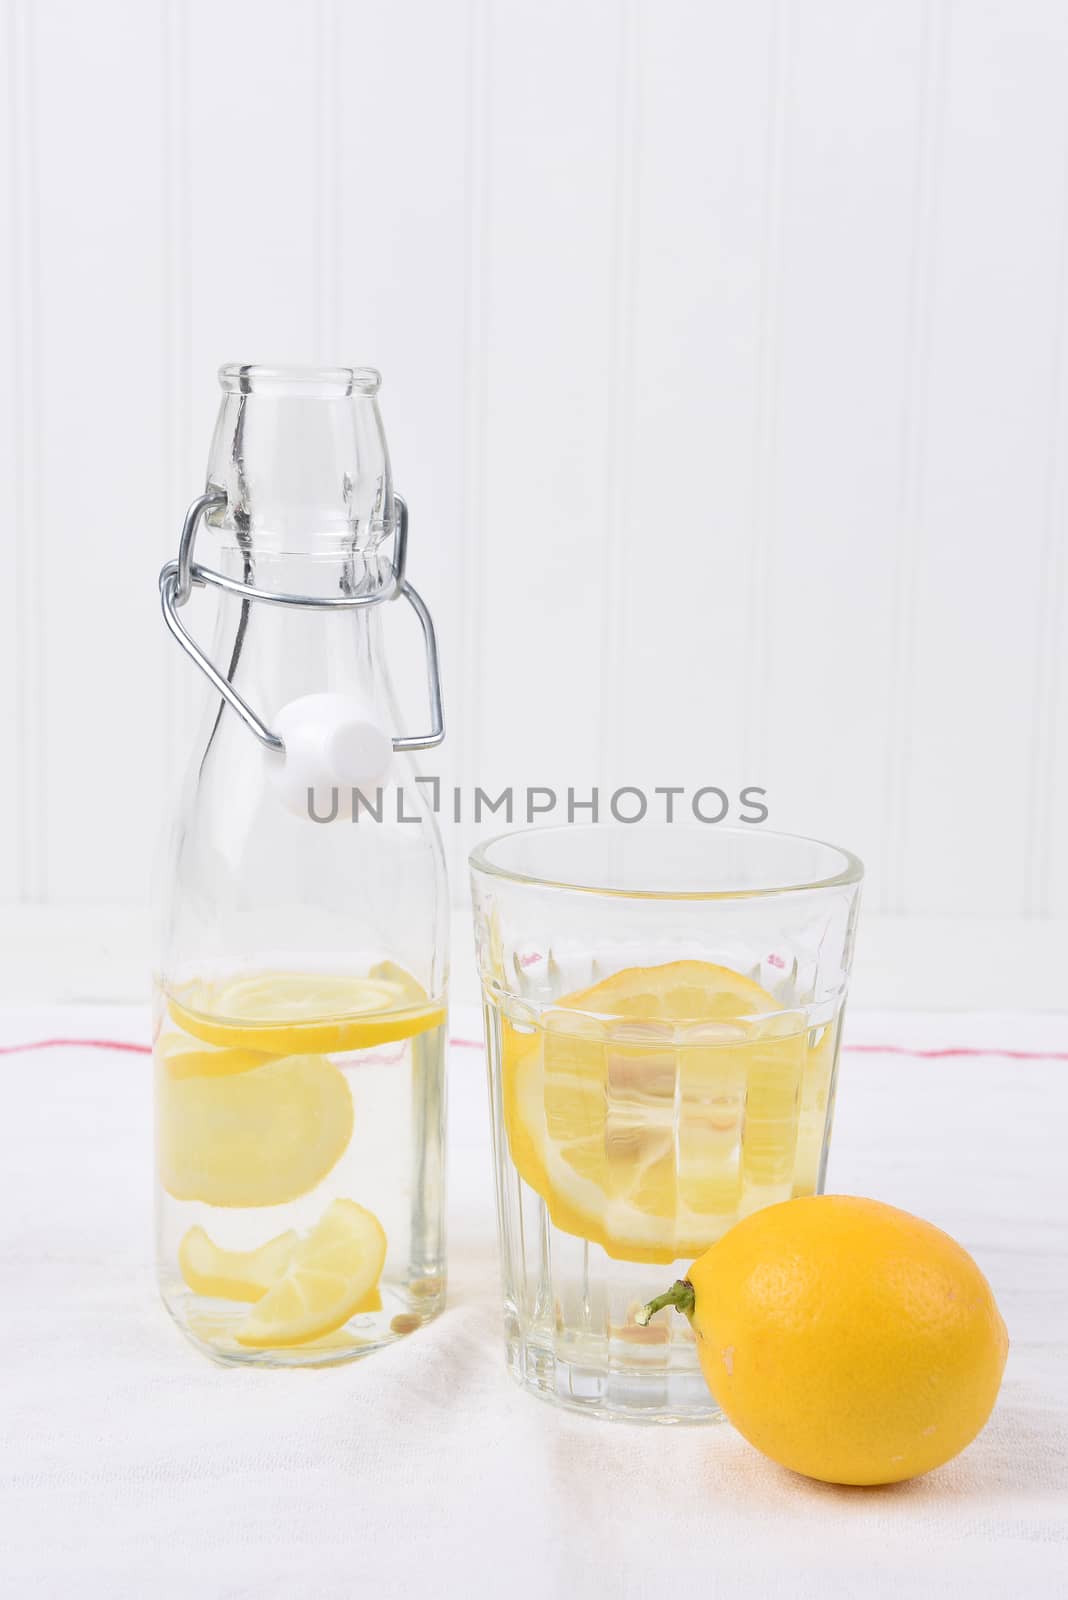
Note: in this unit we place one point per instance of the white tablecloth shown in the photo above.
(134, 1467)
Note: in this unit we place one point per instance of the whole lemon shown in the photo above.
(848, 1340)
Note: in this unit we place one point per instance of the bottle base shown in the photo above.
(210, 1327)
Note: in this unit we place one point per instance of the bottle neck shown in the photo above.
(276, 653)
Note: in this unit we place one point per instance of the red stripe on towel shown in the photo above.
(949, 1051)
(76, 1044)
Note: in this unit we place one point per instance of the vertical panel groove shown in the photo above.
(25, 310)
(618, 456)
(1046, 723)
(177, 331)
(756, 669)
(914, 416)
(328, 180)
(476, 313)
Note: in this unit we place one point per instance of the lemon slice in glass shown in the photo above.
(256, 1138)
(329, 1276)
(290, 1013)
(652, 1109)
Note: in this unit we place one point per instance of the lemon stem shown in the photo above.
(680, 1295)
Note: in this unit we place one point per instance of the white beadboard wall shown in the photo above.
(724, 357)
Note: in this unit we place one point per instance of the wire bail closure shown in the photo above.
(178, 579)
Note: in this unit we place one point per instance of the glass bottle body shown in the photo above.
(300, 992)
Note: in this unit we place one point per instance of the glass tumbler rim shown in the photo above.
(850, 871)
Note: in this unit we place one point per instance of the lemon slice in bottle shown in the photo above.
(208, 1269)
(654, 1108)
(212, 1271)
(189, 1058)
(291, 1013)
(329, 1276)
(256, 1138)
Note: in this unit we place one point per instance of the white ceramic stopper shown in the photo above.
(332, 743)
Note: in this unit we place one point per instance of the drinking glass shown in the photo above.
(663, 1007)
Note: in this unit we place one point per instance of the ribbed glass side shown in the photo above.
(622, 1150)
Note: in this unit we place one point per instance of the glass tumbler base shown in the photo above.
(620, 1393)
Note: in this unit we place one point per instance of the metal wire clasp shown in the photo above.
(178, 579)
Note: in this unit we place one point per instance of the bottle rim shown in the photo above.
(238, 377)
